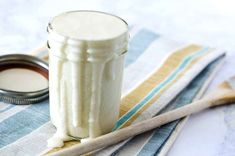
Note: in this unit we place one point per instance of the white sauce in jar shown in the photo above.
(86, 67)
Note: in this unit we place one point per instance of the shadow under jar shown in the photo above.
(86, 59)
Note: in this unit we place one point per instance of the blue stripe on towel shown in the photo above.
(160, 135)
(24, 122)
(139, 43)
(152, 93)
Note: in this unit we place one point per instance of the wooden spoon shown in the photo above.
(224, 94)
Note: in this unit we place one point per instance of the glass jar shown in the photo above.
(86, 61)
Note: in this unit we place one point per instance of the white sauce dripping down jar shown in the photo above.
(86, 59)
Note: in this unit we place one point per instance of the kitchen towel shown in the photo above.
(157, 70)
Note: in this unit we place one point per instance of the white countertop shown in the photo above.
(209, 22)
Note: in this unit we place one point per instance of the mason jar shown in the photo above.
(86, 61)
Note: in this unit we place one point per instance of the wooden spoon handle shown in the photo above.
(141, 127)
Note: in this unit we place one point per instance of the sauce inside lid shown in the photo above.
(22, 80)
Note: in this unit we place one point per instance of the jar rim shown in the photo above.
(50, 27)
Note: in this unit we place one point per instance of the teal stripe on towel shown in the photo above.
(24, 122)
(152, 93)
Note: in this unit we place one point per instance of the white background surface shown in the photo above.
(208, 22)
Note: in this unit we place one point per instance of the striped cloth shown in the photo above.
(157, 69)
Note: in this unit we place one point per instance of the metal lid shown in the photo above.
(25, 62)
